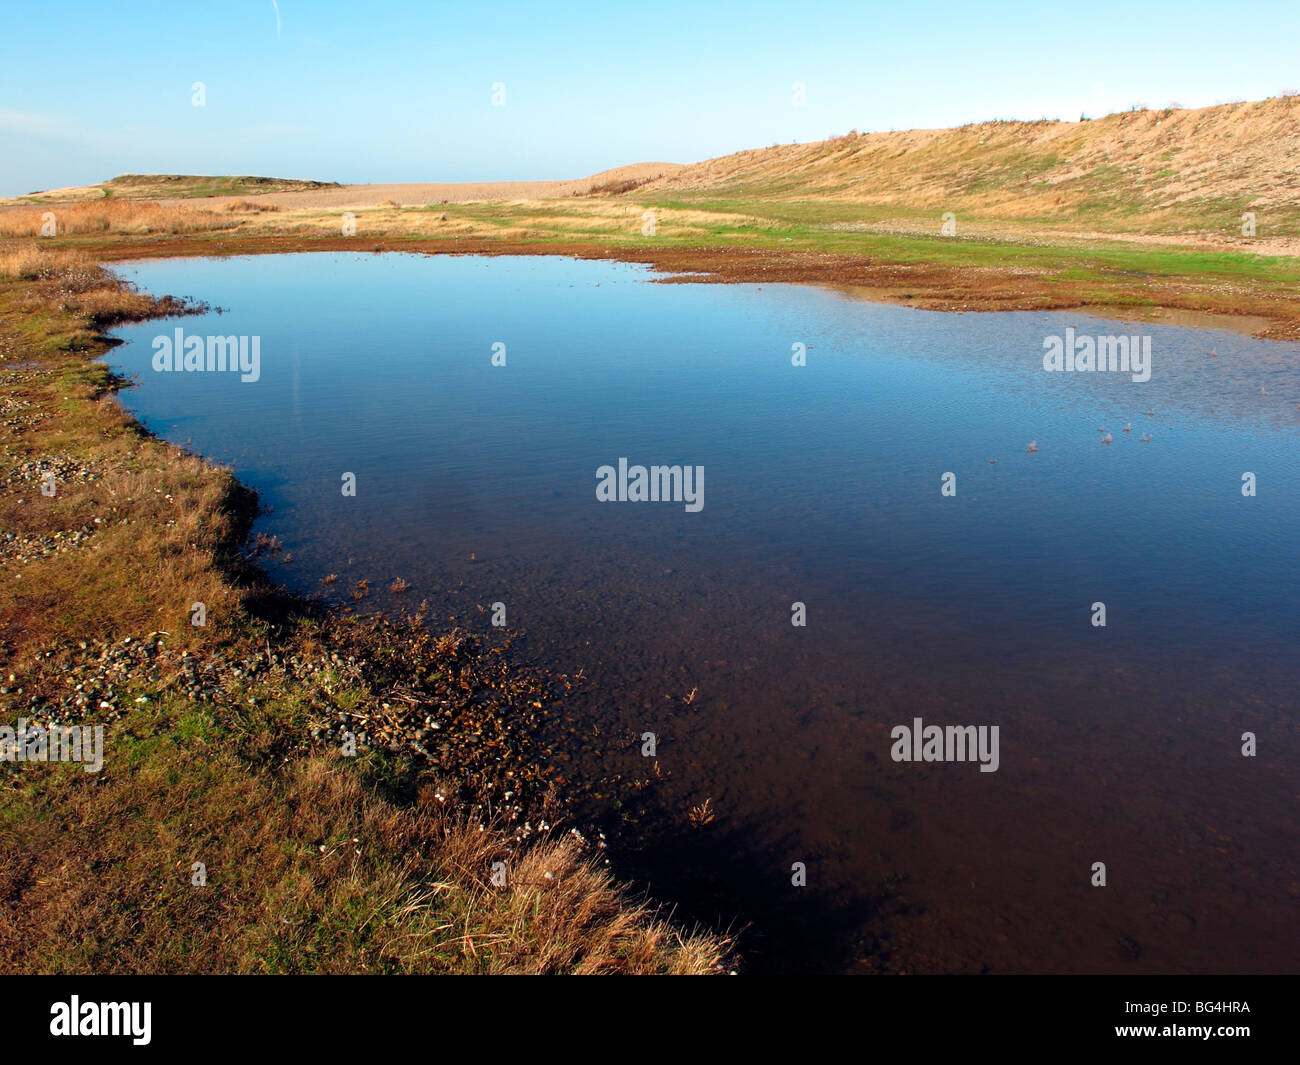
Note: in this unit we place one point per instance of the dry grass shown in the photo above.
(546, 219)
(306, 870)
(111, 216)
(156, 533)
(74, 283)
(1159, 171)
(247, 207)
(32, 262)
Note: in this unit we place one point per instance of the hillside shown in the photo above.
(175, 187)
(1157, 171)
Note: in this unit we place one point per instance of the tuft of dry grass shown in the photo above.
(615, 188)
(247, 207)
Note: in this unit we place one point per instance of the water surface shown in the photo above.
(476, 484)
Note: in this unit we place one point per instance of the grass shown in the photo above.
(186, 859)
(312, 861)
(111, 216)
(1173, 172)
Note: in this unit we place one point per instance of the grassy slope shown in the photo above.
(1182, 173)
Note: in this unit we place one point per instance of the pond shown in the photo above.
(872, 518)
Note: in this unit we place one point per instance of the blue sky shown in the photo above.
(393, 91)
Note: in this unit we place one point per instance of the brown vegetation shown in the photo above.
(110, 216)
(304, 869)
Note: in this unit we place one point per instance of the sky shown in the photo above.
(390, 91)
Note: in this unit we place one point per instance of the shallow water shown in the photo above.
(477, 484)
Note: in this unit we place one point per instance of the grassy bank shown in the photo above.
(232, 828)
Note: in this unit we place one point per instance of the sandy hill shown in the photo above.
(1139, 166)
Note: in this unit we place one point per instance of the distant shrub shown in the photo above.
(615, 188)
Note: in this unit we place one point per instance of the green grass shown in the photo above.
(809, 226)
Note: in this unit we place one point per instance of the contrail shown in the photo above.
(277, 18)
